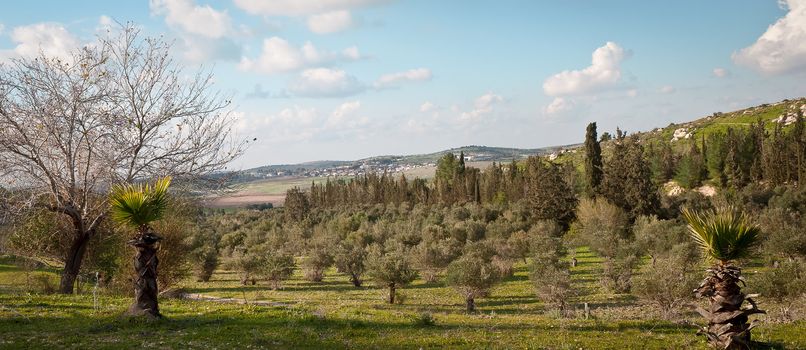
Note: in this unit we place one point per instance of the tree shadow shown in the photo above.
(767, 345)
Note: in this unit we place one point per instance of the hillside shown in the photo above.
(770, 113)
(677, 133)
(390, 163)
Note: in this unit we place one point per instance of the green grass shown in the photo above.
(278, 186)
(334, 314)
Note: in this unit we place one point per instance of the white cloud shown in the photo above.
(105, 24)
(411, 75)
(426, 106)
(483, 105)
(325, 82)
(721, 72)
(2, 28)
(192, 18)
(330, 22)
(278, 55)
(300, 124)
(342, 112)
(300, 7)
(667, 89)
(201, 50)
(559, 105)
(290, 124)
(50, 39)
(632, 93)
(782, 48)
(604, 72)
(351, 53)
(204, 33)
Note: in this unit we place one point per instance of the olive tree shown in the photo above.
(549, 272)
(119, 110)
(389, 266)
(473, 275)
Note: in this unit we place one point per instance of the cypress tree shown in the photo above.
(461, 168)
(627, 180)
(799, 133)
(756, 151)
(593, 161)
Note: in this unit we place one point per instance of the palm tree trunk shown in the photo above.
(727, 320)
(145, 283)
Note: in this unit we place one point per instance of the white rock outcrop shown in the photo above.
(680, 134)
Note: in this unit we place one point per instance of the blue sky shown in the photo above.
(346, 79)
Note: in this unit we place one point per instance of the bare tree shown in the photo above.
(119, 110)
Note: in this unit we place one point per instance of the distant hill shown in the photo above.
(392, 163)
(784, 111)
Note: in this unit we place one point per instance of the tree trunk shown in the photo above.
(356, 279)
(72, 262)
(471, 304)
(727, 319)
(391, 292)
(145, 283)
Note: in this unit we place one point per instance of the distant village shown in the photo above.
(338, 171)
(377, 165)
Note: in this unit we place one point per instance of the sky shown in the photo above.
(348, 79)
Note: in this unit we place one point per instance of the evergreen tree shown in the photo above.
(757, 135)
(593, 161)
(461, 168)
(627, 180)
(715, 158)
(663, 162)
(549, 195)
(691, 169)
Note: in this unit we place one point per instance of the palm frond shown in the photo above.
(724, 234)
(138, 205)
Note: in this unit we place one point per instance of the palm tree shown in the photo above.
(138, 206)
(724, 236)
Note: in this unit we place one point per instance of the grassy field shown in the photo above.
(334, 314)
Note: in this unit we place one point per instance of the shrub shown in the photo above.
(248, 264)
(549, 272)
(425, 319)
(783, 283)
(784, 236)
(350, 255)
(599, 225)
(553, 286)
(316, 262)
(174, 264)
(667, 284)
(277, 267)
(656, 237)
(617, 274)
(204, 252)
(504, 265)
(206, 261)
(433, 255)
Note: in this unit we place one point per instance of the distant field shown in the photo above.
(263, 191)
(273, 190)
